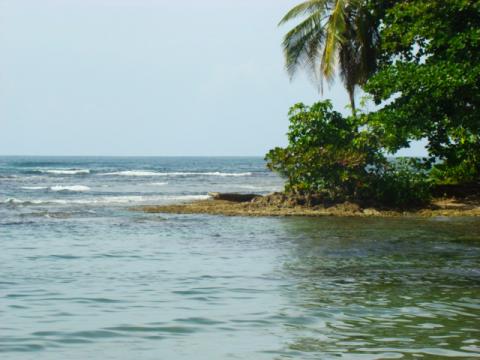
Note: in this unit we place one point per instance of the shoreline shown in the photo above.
(262, 206)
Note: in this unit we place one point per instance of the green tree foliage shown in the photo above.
(420, 61)
(429, 76)
(402, 183)
(326, 152)
(341, 159)
(332, 32)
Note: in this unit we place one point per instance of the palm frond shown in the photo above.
(339, 34)
(368, 39)
(305, 8)
(300, 44)
(333, 39)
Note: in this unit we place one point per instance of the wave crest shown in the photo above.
(105, 200)
(65, 171)
(178, 173)
(73, 188)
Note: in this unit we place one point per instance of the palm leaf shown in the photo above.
(301, 44)
(305, 8)
(333, 39)
(335, 33)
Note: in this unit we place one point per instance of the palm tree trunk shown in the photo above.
(351, 95)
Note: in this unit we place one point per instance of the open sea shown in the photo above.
(84, 277)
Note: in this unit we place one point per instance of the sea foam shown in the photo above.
(154, 173)
(73, 188)
(132, 173)
(107, 200)
(65, 171)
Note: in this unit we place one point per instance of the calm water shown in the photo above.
(82, 277)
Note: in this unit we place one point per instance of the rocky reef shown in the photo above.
(280, 204)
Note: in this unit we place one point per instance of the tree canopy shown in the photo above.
(420, 62)
(429, 72)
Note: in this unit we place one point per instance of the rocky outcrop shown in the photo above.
(280, 204)
(233, 197)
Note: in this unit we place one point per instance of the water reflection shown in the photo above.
(383, 288)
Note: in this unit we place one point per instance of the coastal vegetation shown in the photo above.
(336, 158)
(419, 61)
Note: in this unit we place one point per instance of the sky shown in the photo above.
(148, 77)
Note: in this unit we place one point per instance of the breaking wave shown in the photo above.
(154, 173)
(64, 171)
(73, 188)
(106, 200)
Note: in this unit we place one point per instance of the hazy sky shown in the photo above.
(146, 77)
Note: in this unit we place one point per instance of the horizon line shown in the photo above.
(28, 155)
(175, 156)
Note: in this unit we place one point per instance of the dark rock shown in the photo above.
(234, 197)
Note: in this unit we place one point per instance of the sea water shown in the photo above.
(84, 277)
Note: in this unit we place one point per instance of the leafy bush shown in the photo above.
(402, 183)
(338, 158)
(463, 172)
(327, 153)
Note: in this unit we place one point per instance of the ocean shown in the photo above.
(85, 277)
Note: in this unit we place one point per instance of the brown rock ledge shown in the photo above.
(277, 205)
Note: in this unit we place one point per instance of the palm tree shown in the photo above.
(334, 32)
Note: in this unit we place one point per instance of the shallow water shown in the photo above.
(90, 279)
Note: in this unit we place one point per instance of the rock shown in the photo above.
(371, 212)
(234, 197)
